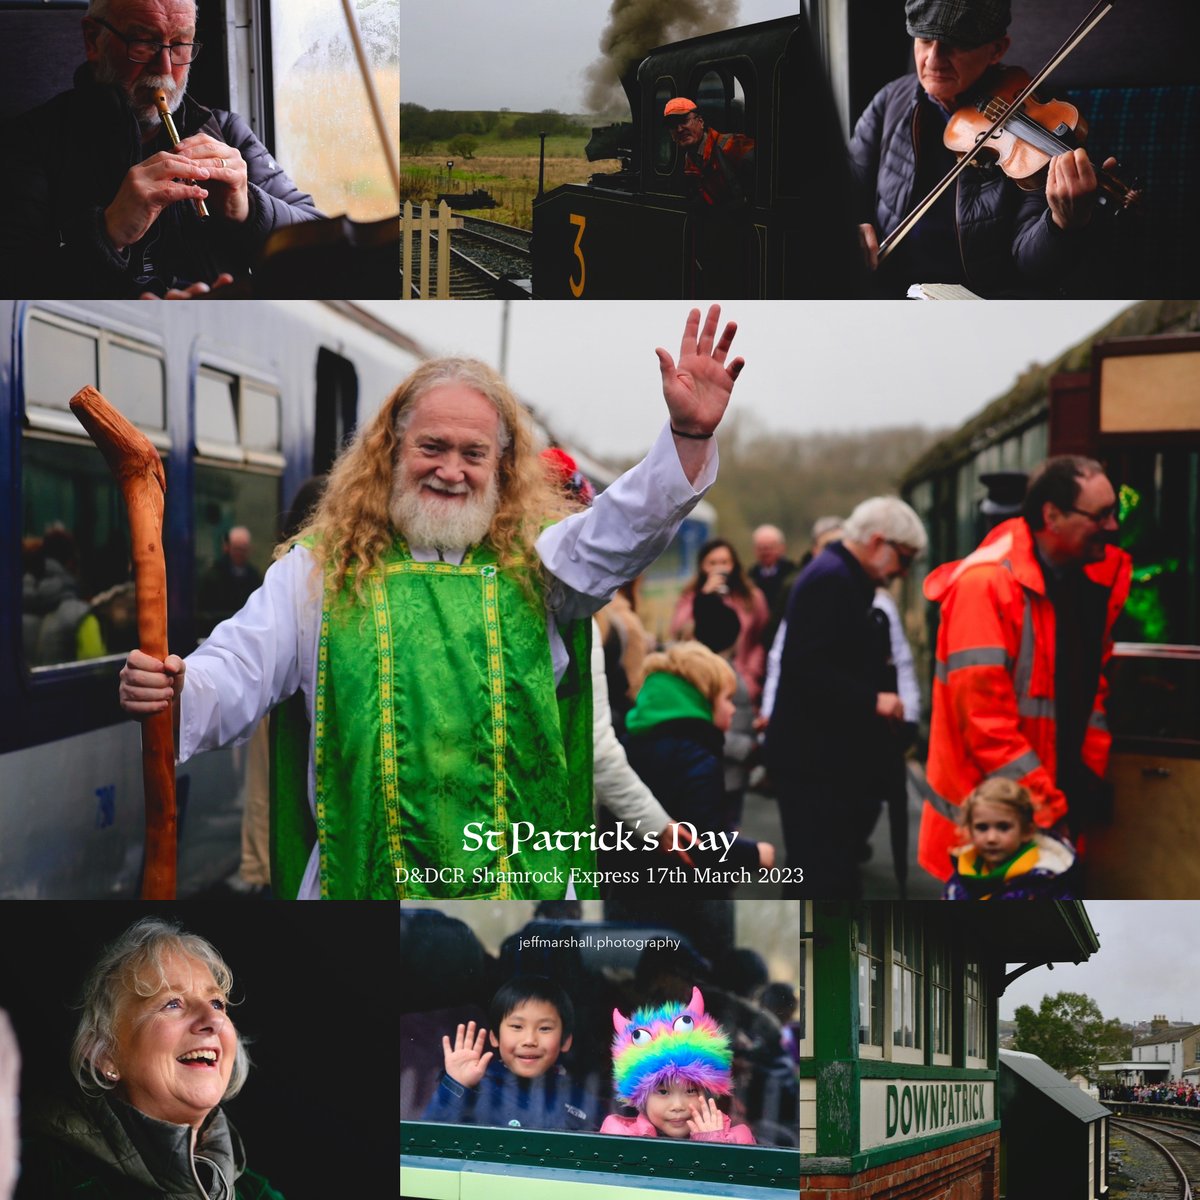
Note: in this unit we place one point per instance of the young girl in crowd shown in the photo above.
(667, 1064)
(1007, 858)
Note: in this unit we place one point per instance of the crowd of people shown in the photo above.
(1173, 1091)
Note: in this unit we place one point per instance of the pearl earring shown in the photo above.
(110, 1074)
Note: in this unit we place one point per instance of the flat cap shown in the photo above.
(966, 23)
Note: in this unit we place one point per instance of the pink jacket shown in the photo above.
(640, 1126)
(749, 655)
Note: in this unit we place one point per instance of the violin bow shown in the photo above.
(138, 470)
(364, 68)
(1098, 12)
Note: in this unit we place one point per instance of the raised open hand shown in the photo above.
(707, 1119)
(698, 387)
(466, 1062)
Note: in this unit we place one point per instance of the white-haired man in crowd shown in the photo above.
(836, 698)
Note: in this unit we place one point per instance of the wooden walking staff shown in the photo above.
(138, 470)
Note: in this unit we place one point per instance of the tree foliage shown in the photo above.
(463, 146)
(1069, 1032)
(789, 480)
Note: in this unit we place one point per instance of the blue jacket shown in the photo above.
(1007, 243)
(69, 157)
(552, 1101)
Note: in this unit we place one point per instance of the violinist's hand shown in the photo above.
(869, 242)
(190, 293)
(1071, 187)
(227, 171)
(146, 190)
(697, 389)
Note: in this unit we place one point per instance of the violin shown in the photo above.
(1029, 138)
(996, 115)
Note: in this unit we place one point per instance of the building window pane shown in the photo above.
(939, 984)
(216, 418)
(136, 379)
(976, 1044)
(58, 362)
(870, 979)
(907, 976)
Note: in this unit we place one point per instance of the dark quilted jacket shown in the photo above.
(1008, 245)
(71, 155)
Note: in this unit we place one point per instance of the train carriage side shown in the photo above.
(636, 232)
(1132, 400)
(242, 401)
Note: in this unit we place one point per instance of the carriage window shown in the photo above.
(259, 418)
(325, 134)
(58, 362)
(77, 598)
(216, 399)
(664, 147)
(459, 954)
(134, 379)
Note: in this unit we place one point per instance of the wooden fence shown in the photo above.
(423, 222)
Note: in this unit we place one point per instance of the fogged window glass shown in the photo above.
(216, 418)
(134, 380)
(325, 135)
(260, 418)
(77, 598)
(58, 362)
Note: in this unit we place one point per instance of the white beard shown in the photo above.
(426, 520)
(148, 117)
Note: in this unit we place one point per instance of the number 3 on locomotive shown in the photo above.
(577, 288)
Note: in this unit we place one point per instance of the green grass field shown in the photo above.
(507, 167)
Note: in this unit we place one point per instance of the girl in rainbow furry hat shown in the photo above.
(666, 1062)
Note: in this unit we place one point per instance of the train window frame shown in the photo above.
(242, 381)
(530, 1152)
(57, 420)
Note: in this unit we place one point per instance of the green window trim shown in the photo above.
(768, 1167)
(867, 1160)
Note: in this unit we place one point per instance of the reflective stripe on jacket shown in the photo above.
(993, 688)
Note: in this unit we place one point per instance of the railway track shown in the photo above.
(485, 257)
(1179, 1146)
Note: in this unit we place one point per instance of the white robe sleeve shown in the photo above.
(617, 785)
(591, 553)
(252, 661)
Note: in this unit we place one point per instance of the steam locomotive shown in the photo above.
(638, 231)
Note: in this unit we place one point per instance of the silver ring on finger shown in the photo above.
(221, 164)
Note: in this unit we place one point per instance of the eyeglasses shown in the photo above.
(142, 51)
(1102, 516)
(905, 556)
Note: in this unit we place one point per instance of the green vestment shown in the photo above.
(436, 710)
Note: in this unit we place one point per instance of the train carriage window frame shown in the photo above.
(84, 481)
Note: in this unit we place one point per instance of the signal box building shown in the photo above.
(898, 1049)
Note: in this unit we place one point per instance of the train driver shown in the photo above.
(97, 202)
(984, 232)
(719, 167)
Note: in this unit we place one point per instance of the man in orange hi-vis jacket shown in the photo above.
(1026, 630)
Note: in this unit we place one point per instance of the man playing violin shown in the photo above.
(102, 205)
(984, 231)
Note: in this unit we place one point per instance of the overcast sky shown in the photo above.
(590, 372)
(1146, 964)
(449, 50)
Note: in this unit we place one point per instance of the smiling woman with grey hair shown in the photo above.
(155, 1054)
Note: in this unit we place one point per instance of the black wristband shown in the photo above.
(696, 437)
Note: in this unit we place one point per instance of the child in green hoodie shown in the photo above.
(674, 740)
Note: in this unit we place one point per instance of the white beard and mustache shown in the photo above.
(425, 520)
(148, 117)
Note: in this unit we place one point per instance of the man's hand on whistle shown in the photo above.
(228, 186)
(147, 189)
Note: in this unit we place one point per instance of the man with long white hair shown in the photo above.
(98, 203)
(434, 615)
